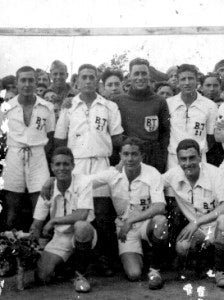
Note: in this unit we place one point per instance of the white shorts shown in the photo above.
(133, 242)
(62, 244)
(25, 169)
(93, 165)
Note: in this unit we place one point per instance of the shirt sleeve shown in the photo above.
(61, 131)
(115, 127)
(213, 112)
(156, 189)
(50, 124)
(103, 177)
(166, 179)
(84, 193)
(42, 209)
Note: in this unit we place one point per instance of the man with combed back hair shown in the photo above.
(145, 115)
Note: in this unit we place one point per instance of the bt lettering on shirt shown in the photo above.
(199, 127)
(151, 123)
(101, 123)
(41, 122)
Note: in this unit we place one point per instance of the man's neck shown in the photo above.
(132, 174)
(189, 98)
(88, 98)
(193, 180)
(63, 185)
(26, 100)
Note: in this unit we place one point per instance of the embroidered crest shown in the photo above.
(151, 123)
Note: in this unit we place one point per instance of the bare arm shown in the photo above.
(117, 140)
(210, 140)
(153, 210)
(76, 215)
(36, 228)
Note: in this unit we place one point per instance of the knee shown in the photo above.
(182, 247)
(133, 275)
(44, 273)
(160, 229)
(83, 231)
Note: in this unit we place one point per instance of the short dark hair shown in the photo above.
(160, 84)
(111, 72)
(188, 143)
(25, 69)
(47, 91)
(87, 66)
(187, 68)
(133, 141)
(62, 151)
(10, 79)
(214, 75)
(138, 61)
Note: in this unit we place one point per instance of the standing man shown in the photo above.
(198, 189)
(71, 211)
(91, 127)
(191, 115)
(59, 75)
(31, 125)
(145, 115)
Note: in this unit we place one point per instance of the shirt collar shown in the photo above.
(78, 101)
(58, 193)
(203, 180)
(39, 101)
(178, 102)
(143, 176)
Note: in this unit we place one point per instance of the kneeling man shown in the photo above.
(137, 195)
(199, 192)
(71, 211)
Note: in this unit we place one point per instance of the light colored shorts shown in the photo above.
(62, 244)
(93, 165)
(133, 242)
(25, 169)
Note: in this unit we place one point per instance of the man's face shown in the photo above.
(59, 76)
(26, 83)
(165, 92)
(43, 78)
(62, 167)
(139, 77)
(187, 82)
(189, 162)
(50, 96)
(87, 81)
(173, 80)
(211, 88)
(131, 157)
(113, 85)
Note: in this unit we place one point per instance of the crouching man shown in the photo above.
(199, 192)
(71, 211)
(137, 195)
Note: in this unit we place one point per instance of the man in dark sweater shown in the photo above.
(145, 115)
